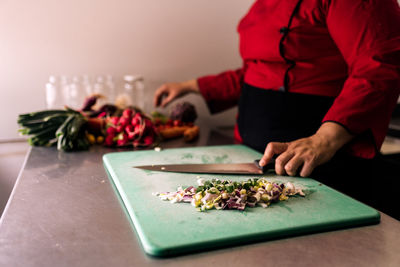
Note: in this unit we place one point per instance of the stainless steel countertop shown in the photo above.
(64, 212)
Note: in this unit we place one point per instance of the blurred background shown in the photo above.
(163, 41)
(160, 40)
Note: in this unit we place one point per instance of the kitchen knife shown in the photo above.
(226, 168)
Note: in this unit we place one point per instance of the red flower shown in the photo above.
(132, 135)
(123, 121)
(127, 113)
(122, 139)
(109, 140)
(136, 119)
(129, 129)
(111, 131)
(148, 140)
(119, 128)
(114, 120)
(148, 124)
(138, 129)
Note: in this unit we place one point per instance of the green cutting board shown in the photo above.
(166, 229)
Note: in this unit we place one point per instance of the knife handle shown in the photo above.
(269, 166)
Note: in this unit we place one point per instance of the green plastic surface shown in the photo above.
(166, 229)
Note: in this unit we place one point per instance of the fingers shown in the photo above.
(287, 163)
(293, 158)
(301, 156)
(292, 165)
(168, 92)
(307, 169)
(158, 95)
(166, 100)
(272, 149)
(281, 161)
(164, 95)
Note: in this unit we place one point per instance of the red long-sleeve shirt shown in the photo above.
(348, 49)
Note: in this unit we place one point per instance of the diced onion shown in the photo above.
(232, 195)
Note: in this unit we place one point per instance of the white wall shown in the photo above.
(165, 40)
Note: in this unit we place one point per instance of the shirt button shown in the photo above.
(282, 88)
(284, 30)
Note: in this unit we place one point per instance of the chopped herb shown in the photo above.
(232, 195)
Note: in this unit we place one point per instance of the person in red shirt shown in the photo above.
(319, 82)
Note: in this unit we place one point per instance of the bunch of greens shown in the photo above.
(50, 127)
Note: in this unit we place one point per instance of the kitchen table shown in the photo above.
(63, 211)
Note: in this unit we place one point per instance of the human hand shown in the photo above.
(170, 91)
(307, 153)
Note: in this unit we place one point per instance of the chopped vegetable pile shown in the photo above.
(232, 195)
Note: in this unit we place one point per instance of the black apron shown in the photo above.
(269, 115)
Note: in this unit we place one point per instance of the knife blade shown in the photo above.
(225, 168)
